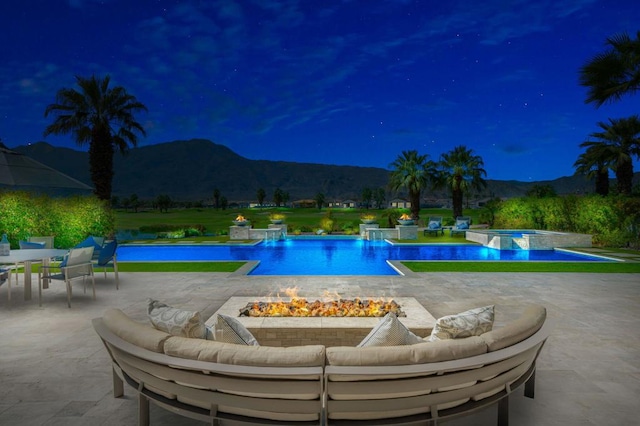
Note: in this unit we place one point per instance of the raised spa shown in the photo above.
(527, 239)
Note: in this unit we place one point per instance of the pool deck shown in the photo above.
(55, 371)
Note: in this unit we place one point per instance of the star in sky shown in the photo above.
(336, 82)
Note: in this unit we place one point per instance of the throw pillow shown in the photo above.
(230, 330)
(434, 224)
(473, 322)
(389, 332)
(176, 321)
(462, 224)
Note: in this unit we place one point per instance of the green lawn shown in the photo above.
(179, 266)
(461, 266)
(217, 221)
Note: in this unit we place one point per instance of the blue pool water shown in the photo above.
(334, 256)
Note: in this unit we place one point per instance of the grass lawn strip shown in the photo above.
(584, 267)
(223, 266)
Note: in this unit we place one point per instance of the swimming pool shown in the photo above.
(335, 256)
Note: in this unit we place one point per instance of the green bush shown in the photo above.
(613, 221)
(68, 220)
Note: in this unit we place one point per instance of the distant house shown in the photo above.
(349, 204)
(399, 203)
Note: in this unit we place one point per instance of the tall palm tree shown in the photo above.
(413, 172)
(101, 116)
(460, 171)
(592, 164)
(616, 145)
(615, 73)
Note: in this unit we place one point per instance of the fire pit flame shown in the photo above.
(329, 307)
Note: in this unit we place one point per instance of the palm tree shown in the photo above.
(460, 171)
(591, 164)
(414, 173)
(101, 116)
(616, 145)
(615, 73)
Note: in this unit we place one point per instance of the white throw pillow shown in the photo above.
(389, 332)
(473, 322)
(176, 321)
(230, 330)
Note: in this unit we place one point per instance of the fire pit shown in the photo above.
(325, 330)
(300, 307)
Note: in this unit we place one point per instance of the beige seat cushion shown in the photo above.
(134, 332)
(442, 350)
(230, 353)
(516, 331)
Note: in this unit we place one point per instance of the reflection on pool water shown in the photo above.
(335, 256)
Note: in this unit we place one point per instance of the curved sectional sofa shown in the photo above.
(424, 382)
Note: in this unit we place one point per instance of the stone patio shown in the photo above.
(55, 371)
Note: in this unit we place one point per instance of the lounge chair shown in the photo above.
(108, 258)
(461, 226)
(77, 264)
(434, 226)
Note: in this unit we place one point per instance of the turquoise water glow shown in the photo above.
(327, 256)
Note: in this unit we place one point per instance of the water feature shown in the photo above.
(327, 256)
(527, 239)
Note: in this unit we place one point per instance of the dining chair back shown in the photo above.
(77, 264)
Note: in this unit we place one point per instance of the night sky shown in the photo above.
(334, 82)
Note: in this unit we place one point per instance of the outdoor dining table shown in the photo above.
(26, 256)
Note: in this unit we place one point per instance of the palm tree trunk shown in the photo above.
(456, 197)
(414, 197)
(624, 175)
(101, 163)
(602, 183)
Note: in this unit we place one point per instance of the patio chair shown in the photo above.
(108, 258)
(434, 226)
(77, 264)
(47, 240)
(96, 242)
(461, 226)
(5, 275)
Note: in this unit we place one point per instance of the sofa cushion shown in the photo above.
(175, 321)
(473, 322)
(516, 331)
(261, 356)
(389, 332)
(442, 350)
(230, 330)
(134, 332)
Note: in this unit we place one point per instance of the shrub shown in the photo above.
(68, 220)
(613, 221)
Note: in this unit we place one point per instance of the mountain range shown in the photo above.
(190, 171)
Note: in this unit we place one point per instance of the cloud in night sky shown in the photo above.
(366, 80)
